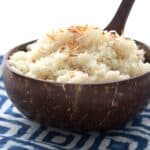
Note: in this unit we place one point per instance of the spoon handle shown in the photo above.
(119, 20)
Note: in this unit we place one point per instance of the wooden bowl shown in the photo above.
(78, 106)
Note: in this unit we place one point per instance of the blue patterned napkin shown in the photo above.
(19, 133)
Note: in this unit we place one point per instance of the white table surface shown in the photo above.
(24, 20)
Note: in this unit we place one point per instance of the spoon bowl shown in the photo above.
(95, 106)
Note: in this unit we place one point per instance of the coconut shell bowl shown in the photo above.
(94, 106)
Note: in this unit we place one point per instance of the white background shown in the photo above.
(24, 20)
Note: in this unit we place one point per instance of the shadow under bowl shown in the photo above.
(77, 106)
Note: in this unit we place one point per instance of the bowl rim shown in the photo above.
(11, 51)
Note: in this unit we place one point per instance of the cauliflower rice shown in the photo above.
(81, 54)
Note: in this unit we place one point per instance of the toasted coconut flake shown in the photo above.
(78, 29)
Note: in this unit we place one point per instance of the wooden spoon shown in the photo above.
(119, 20)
